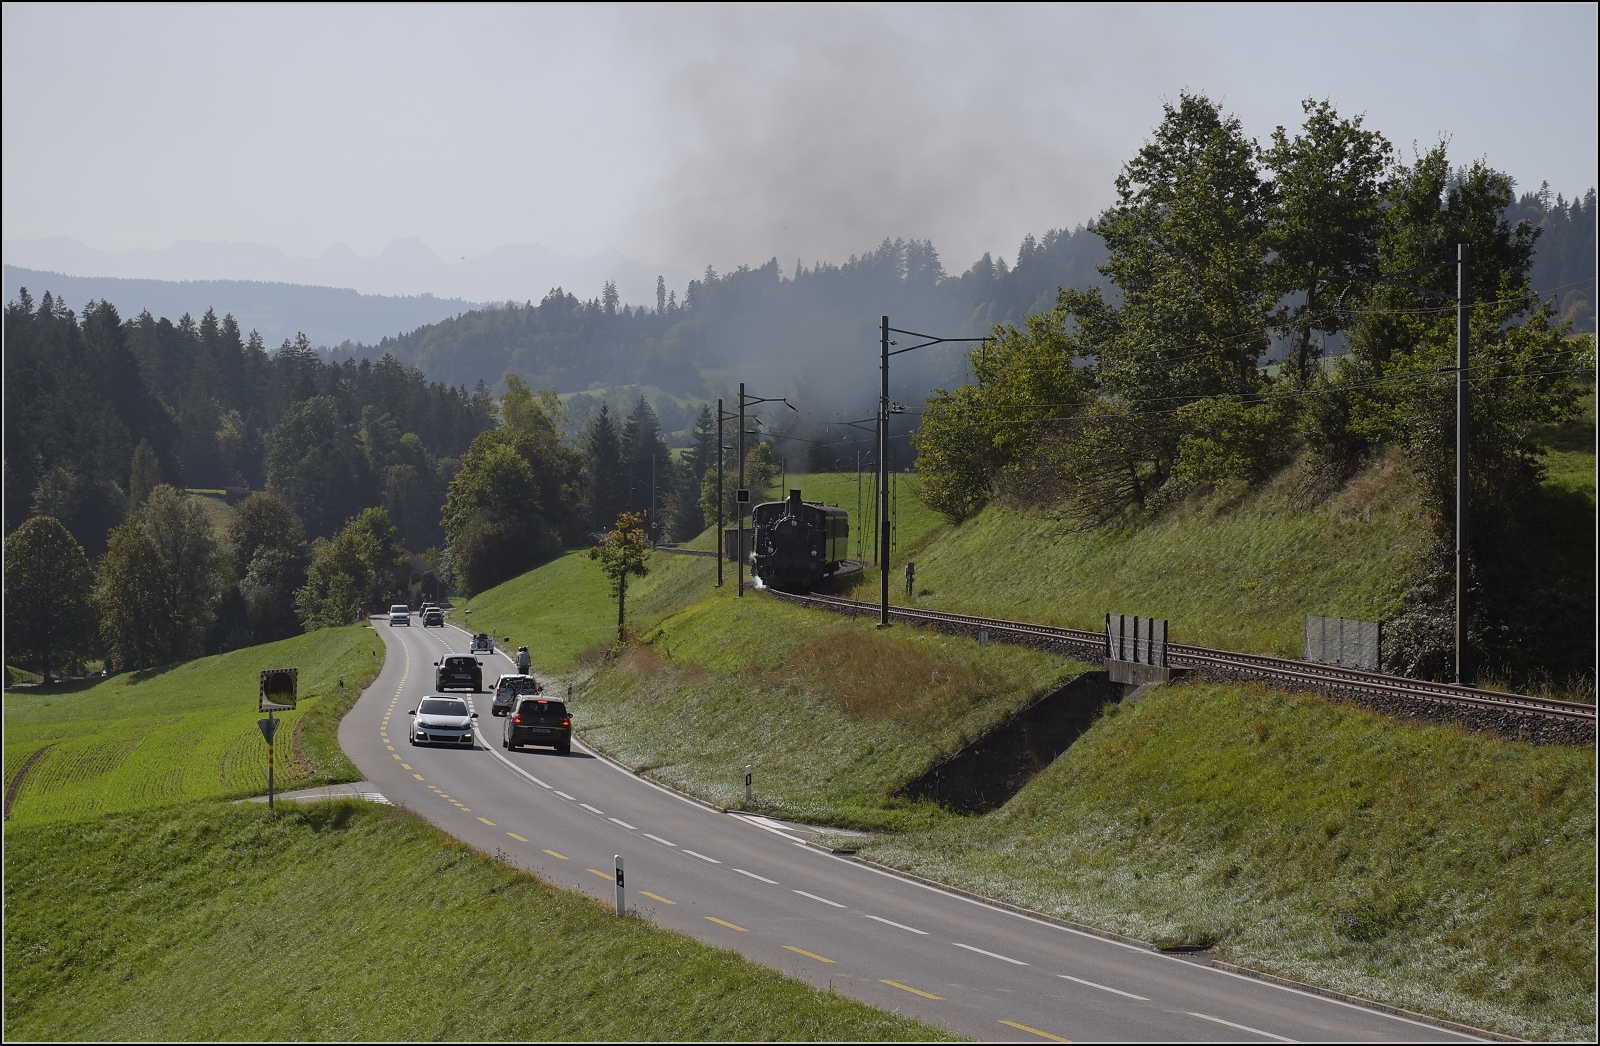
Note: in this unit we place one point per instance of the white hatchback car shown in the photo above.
(442, 721)
(399, 614)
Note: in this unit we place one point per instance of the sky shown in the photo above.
(685, 136)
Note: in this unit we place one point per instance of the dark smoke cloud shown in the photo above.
(814, 133)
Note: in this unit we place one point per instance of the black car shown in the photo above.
(458, 672)
(432, 616)
(539, 721)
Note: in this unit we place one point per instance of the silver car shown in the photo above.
(442, 721)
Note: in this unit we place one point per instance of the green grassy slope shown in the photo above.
(154, 738)
(1229, 570)
(1440, 871)
(212, 921)
(833, 717)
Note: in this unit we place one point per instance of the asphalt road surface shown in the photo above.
(743, 883)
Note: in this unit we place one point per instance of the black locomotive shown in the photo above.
(798, 543)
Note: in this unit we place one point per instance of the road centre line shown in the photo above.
(1034, 1031)
(703, 857)
(488, 822)
(753, 875)
(658, 839)
(824, 900)
(913, 991)
(1091, 984)
(902, 926)
(603, 875)
(809, 955)
(1241, 1027)
(564, 795)
(592, 810)
(624, 824)
(723, 922)
(559, 857)
(517, 837)
(656, 896)
(992, 955)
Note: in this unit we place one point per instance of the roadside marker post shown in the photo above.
(747, 779)
(279, 693)
(269, 728)
(621, 905)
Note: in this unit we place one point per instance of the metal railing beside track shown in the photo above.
(1304, 673)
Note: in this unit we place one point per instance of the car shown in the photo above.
(458, 672)
(539, 721)
(509, 688)
(432, 616)
(442, 721)
(399, 614)
(482, 643)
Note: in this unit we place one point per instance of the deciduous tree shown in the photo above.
(49, 596)
(624, 553)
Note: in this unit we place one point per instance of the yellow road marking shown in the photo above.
(390, 748)
(397, 756)
(729, 925)
(406, 765)
(417, 776)
(517, 837)
(657, 897)
(603, 875)
(1034, 1031)
(486, 821)
(559, 857)
(913, 991)
(809, 955)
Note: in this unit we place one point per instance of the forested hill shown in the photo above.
(820, 322)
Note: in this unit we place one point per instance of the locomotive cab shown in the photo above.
(798, 543)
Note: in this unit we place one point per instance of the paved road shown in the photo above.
(747, 884)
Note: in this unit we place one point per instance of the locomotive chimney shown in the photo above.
(794, 503)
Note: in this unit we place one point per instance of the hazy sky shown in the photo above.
(693, 135)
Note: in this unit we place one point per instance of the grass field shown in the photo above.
(1440, 871)
(726, 683)
(348, 921)
(155, 738)
(1237, 571)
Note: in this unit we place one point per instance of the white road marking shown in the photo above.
(624, 824)
(769, 827)
(1241, 1027)
(1113, 991)
(658, 839)
(592, 810)
(814, 897)
(702, 857)
(902, 926)
(992, 955)
(563, 795)
(753, 875)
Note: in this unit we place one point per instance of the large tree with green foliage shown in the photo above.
(49, 596)
(134, 623)
(269, 556)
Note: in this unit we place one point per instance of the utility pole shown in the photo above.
(739, 507)
(1463, 406)
(883, 477)
(722, 462)
(654, 529)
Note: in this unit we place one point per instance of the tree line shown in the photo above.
(1113, 404)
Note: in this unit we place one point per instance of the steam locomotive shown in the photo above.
(798, 543)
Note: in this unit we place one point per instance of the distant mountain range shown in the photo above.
(329, 316)
(516, 272)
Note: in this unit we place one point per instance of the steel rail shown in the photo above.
(1183, 655)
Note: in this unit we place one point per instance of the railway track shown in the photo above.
(1306, 675)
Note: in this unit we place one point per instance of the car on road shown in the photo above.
(458, 672)
(399, 614)
(510, 687)
(442, 721)
(432, 616)
(539, 721)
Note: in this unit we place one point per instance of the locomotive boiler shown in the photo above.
(798, 543)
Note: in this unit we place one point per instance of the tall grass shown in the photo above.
(345, 921)
(148, 739)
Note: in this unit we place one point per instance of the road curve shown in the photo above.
(732, 881)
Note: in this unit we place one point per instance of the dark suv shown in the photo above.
(539, 721)
(458, 673)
